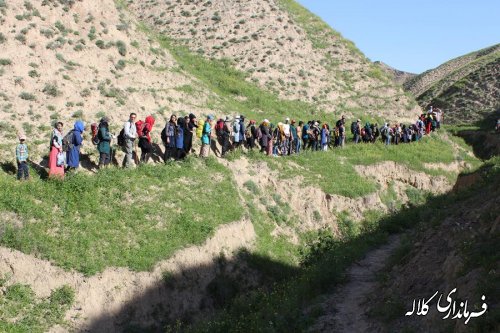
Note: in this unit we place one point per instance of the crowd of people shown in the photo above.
(179, 133)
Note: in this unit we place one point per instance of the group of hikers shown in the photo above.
(178, 134)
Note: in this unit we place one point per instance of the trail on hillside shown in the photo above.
(345, 309)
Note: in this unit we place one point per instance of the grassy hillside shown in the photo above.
(138, 218)
(118, 218)
(466, 88)
(67, 60)
(283, 48)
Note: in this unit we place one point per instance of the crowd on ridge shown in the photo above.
(284, 138)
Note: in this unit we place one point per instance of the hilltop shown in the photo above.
(398, 76)
(466, 88)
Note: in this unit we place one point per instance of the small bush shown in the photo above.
(2, 38)
(33, 73)
(85, 92)
(77, 114)
(50, 89)
(27, 96)
(100, 44)
(91, 35)
(120, 65)
(5, 62)
(21, 38)
(252, 187)
(122, 48)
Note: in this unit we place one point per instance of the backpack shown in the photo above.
(163, 135)
(139, 125)
(121, 138)
(95, 133)
(67, 141)
(354, 126)
(219, 127)
(199, 129)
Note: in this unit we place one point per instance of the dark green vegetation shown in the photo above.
(280, 308)
(31, 313)
(123, 218)
(467, 88)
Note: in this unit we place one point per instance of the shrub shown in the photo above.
(100, 44)
(122, 48)
(5, 62)
(21, 38)
(120, 65)
(91, 35)
(33, 73)
(77, 114)
(85, 92)
(50, 89)
(2, 38)
(27, 96)
(48, 33)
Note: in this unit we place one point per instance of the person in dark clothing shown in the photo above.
(226, 135)
(190, 129)
(251, 134)
(104, 146)
(266, 136)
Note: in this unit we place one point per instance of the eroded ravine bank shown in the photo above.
(187, 285)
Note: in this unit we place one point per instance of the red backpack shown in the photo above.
(139, 125)
(95, 133)
(219, 127)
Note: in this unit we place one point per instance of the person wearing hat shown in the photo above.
(206, 136)
(22, 158)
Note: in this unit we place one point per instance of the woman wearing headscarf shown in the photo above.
(179, 139)
(324, 137)
(170, 132)
(56, 170)
(104, 146)
(145, 140)
(73, 156)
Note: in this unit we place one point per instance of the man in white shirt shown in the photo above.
(130, 134)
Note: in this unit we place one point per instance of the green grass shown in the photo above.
(123, 218)
(236, 95)
(22, 311)
(334, 172)
(324, 260)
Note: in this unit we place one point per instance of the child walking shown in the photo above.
(22, 159)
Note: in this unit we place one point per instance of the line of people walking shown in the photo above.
(179, 133)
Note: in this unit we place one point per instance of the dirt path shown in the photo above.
(345, 309)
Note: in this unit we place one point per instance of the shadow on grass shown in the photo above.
(194, 293)
(253, 293)
(485, 142)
